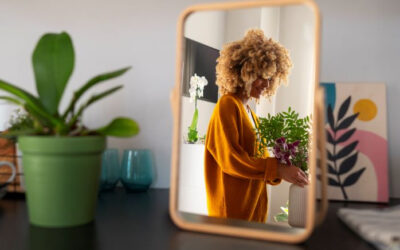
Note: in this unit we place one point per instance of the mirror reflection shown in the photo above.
(247, 97)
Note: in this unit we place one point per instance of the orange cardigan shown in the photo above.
(235, 180)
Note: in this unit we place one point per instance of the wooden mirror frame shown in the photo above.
(240, 228)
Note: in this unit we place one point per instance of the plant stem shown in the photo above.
(337, 171)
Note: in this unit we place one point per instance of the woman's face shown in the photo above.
(258, 86)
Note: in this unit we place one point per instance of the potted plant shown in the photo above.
(287, 136)
(61, 156)
(196, 90)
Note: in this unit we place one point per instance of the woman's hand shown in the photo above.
(292, 174)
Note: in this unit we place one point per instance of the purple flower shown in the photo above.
(280, 140)
(292, 149)
(296, 143)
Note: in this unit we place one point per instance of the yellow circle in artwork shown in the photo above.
(366, 108)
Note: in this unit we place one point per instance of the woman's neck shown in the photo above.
(243, 98)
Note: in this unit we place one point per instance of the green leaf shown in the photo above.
(120, 127)
(192, 135)
(195, 118)
(92, 100)
(92, 82)
(281, 217)
(53, 63)
(32, 103)
(12, 100)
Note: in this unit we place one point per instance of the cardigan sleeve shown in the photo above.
(225, 147)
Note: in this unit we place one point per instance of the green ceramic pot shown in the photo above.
(62, 178)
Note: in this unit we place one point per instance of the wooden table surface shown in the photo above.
(141, 221)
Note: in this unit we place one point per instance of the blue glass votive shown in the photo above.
(110, 169)
(137, 169)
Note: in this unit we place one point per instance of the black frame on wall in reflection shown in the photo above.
(202, 60)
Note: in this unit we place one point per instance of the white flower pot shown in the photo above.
(297, 205)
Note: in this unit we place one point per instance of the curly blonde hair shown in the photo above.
(242, 62)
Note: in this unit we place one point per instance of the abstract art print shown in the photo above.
(357, 148)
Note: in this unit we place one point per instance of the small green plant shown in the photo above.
(287, 136)
(19, 121)
(284, 215)
(53, 62)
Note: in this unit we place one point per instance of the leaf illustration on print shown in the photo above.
(348, 164)
(346, 136)
(343, 108)
(353, 178)
(347, 154)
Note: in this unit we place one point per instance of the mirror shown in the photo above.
(245, 102)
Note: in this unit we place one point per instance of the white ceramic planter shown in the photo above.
(192, 197)
(297, 205)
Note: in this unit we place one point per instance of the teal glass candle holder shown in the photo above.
(110, 169)
(137, 169)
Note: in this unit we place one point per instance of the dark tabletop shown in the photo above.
(141, 221)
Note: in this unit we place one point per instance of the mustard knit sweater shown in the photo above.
(235, 180)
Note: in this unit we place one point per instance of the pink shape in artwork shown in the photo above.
(375, 148)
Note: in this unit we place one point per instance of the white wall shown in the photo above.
(206, 27)
(297, 35)
(270, 19)
(239, 21)
(361, 43)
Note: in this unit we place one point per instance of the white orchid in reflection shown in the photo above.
(196, 91)
(197, 85)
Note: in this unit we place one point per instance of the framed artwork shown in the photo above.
(356, 132)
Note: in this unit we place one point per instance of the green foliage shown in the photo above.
(20, 122)
(193, 134)
(284, 215)
(120, 127)
(287, 125)
(53, 62)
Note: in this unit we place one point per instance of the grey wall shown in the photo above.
(360, 43)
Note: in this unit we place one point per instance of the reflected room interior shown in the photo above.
(205, 34)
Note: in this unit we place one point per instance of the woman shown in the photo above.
(235, 179)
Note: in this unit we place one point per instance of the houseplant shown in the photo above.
(196, 90)
(288, 137)
(61, 156)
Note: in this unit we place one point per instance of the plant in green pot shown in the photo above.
(61, 156)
